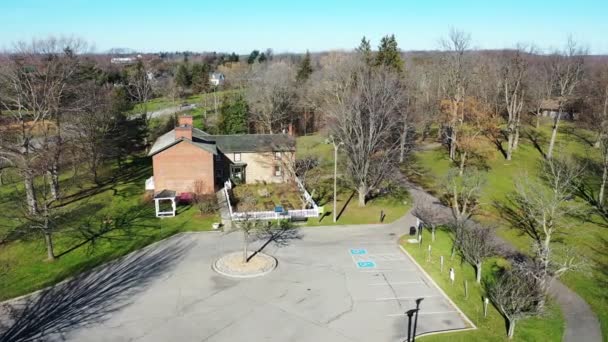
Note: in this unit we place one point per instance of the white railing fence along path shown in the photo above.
(273, 215)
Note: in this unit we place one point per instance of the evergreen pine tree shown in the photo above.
(182, 76)
(365, 49)
(200, 78)
(233, 115)
(253, 56)
(262, 58)
(388, 54)
(305, 69)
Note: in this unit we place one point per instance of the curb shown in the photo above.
(245, 276)
(466, 318)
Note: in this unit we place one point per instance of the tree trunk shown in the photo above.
(554, 134)
(48, 239)
(245, 246)
(433, 234)
(463, 158)
(537, 118)
(510, 139)
(478, 273)
(30, 195)
(402, 143)
(516, 138)
(598, 140)
(53, 174)
(511, 331)
(362, 194)
(452, 144)
(600, 199)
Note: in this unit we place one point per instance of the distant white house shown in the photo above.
(124, 60)
(216, 78)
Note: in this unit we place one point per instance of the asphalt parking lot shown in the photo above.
(333, 284)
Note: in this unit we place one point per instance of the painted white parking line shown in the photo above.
(396, 283)
(424, 313)
(399, 298)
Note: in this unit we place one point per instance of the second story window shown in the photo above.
(237, 157)
(277, 155)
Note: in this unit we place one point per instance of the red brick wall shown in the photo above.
(178, 167)
(183, 132)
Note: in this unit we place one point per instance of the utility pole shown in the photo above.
(336, 147)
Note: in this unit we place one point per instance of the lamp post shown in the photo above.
(336, 145)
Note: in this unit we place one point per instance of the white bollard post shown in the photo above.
(452, 275)
(441, 264)
(486, 300)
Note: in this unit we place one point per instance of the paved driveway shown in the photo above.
(334, 284)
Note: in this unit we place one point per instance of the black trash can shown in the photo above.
(412, 230)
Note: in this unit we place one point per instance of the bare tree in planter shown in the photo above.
(476, 244)
(516, 296)
(430, 214)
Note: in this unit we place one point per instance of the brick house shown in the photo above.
(187, 155)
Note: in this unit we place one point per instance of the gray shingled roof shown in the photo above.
(229, 143)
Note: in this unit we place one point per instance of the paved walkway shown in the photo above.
(581, 322)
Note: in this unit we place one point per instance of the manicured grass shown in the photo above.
(123, 199)
(588, 236)
(319, 182)
(548, 327)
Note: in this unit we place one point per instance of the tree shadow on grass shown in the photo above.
(90, 298)
(537, 139)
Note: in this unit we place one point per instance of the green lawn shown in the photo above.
(206, 100)
(548, 327)
(589, 237)
(22, 265)
(319, 182)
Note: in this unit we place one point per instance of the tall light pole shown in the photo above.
(336, 145)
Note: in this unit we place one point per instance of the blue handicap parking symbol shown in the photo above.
(366, 264)
(358, 251)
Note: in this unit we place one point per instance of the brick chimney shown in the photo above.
(183, 132)
(184, 127)
(184, 120)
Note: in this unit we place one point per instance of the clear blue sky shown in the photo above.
(292, 25)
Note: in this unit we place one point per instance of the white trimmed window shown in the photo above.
(277, 170)
(277, 155)
(237, 157)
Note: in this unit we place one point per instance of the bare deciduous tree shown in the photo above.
(516, 296)
(455, 65)
(271, 96)
(431, 215)
(476, 244)
(462, 193)
(34, 81)
(539, 210)
(363, 109)
(567, 72)
(513, 76)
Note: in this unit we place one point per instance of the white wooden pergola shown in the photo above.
(165, 195)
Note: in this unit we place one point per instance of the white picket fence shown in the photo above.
(273, 215)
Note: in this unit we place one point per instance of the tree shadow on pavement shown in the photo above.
(280, 234)
(90, 298)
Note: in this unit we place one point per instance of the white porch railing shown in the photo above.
(272, 215)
